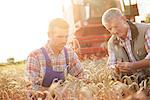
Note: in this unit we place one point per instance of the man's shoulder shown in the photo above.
(142, 25)
(35, 53)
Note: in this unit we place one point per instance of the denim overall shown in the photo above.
(50, 74)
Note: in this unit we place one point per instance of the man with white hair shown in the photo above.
(129, 45)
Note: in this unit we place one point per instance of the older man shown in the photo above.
(129, 45)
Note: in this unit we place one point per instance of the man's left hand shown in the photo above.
(125, 67)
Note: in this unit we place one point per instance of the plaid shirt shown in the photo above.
(127, 45)
(36, 63)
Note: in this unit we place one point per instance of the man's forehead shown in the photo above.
(62, 28)
(60, 31)
(112, 22)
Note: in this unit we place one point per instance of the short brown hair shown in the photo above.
(57, 22)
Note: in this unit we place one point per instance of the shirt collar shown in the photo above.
(49, 48)
(129, 37)
(129, 34)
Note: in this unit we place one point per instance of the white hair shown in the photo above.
(110, 14)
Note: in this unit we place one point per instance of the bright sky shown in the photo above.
(24, 24)
(144, 9)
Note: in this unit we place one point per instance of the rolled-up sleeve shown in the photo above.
(147, 44)
(111, 62)
(76, 69)
(32, 71)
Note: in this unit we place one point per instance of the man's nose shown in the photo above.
(64, 40)
(113, 31)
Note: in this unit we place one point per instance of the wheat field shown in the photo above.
(101, 85)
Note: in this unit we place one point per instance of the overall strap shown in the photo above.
(48, 61)
(66, 56)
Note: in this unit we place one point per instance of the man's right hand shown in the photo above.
(125, 67)
(117, 70)
(38, 95)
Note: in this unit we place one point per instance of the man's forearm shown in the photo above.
(141, 64)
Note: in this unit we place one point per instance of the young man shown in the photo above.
(129, 45)
(53, 60)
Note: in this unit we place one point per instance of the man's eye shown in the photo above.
(59, 36)
(66, 36)
(109, 29)
(115, 26)
(62, 36)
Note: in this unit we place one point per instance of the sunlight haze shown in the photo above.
(24, 25)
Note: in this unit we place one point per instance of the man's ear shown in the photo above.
(50, 34)
(124, 18)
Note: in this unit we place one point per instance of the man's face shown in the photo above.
(118, 26)
(59, 37)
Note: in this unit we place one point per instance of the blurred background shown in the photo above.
(24, 23)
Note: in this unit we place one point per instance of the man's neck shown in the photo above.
(56, 50)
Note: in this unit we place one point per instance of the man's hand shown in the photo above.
(73, 63)
(38, 95)
(125, 67)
